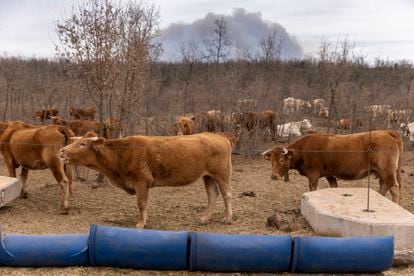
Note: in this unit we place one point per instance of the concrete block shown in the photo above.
(10, 189)
(342, 212)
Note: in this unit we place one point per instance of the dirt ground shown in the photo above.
(171, 209)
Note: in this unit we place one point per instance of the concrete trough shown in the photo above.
(342, 212)
(10, 189)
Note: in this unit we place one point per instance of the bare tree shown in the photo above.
(109, 46)
(219, 44)
(271, 48)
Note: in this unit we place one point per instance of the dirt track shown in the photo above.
(170, 208)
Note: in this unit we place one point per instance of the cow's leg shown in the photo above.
(59, 173)
(332, 182)
(212, 193)
(313, 181)
(69, 176)
(141, 190)
(10, 164)
(23, 176)
(224, 185)
(392, 184)
(383, 188)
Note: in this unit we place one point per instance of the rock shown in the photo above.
(274, 221)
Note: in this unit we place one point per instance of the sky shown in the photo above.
(378, 28)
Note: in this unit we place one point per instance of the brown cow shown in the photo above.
(87, 113)
(46, 114)
(211, 121)
(253, 120)
(343, 124)
(81, 127)
(324, 112)
(3, 127)
(37, 148)
(184, 125)
(137, 163)
(344, 157)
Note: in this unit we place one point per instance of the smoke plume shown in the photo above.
(245, 30)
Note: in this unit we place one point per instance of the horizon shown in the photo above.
(378, 29)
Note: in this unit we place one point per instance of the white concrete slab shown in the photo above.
(10, 189)
(341, 212)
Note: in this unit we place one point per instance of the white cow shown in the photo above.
(292, 106)
(407, 129)
(293, 128)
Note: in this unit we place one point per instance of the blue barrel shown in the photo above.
(138, 248)
(44, 250)
(342, 255)
(243, 253)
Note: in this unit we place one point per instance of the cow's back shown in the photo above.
(175, 161)
(346, 156)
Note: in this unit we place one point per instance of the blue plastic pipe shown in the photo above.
(342, 255)
(136, 248)
(244, 253)
(44, 250)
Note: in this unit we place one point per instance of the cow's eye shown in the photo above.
(281, 160)
(83, 144)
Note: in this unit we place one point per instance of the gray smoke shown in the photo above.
(244, 29)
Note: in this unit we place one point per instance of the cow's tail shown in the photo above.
(400, 160)
(397, 137)
(67, 133)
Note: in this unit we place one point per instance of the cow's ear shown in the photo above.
(289, 154)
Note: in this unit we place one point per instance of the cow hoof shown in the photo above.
(64, 211)
(227, 221)
(23, 195)
(140, 225)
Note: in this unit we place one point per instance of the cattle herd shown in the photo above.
(201, 149)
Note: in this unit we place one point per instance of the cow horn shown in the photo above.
(94, 139)
(266, 152)
(284, 151)
(75, 138)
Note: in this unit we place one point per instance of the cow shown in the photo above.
(292, 106)
(397, 116)
(3, 127)
(343, 124)
(37, 148)
(377, 110)
(86, 113)
(184, 125)
(407, 129)
(246, 105)
(253, 120)
(324, 112)
(211, 121)
(318, 104)
(348, 157)
(81, 127)
(46, 114)
(293, 128)
(138, 163)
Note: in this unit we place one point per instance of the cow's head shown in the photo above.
(280, 158)
(184, 126)
(83, 150)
